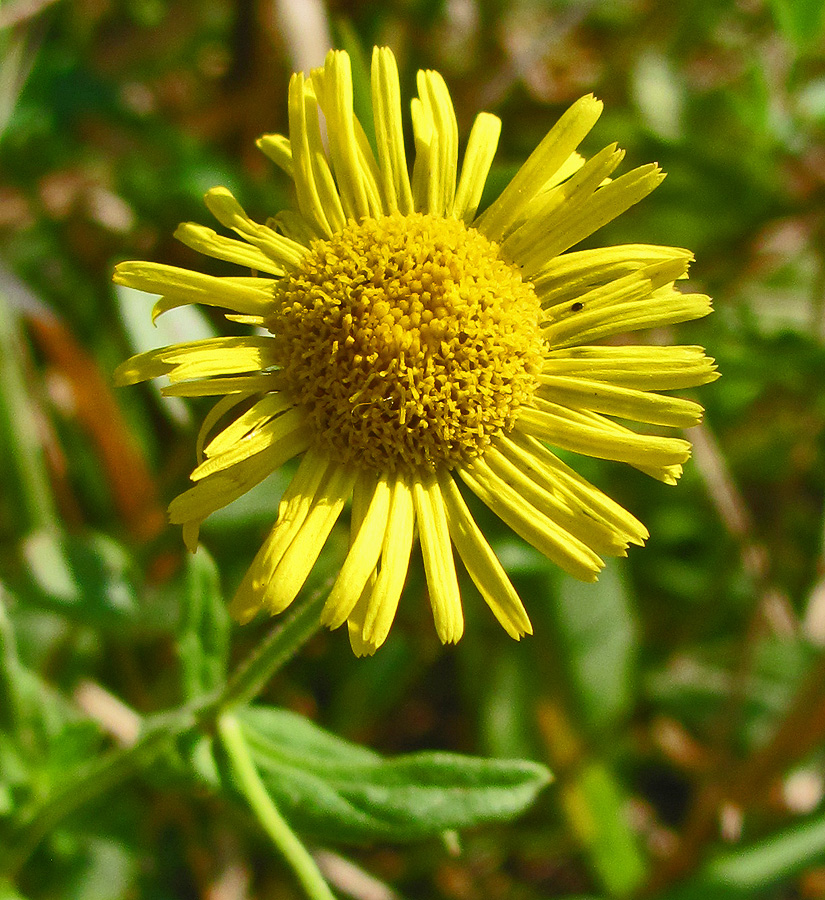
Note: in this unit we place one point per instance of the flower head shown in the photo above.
(407, 344)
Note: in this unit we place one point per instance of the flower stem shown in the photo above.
(106, 772)
(274, 651)
(94, 779)
(249, 781)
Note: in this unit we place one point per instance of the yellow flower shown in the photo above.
(407, 344)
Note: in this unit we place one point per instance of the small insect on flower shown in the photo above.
(412, 344)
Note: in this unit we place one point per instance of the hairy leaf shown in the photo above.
(332, 788)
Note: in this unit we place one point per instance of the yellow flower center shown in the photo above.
(408, 341)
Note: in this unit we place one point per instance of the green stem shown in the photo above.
(12, 711)
(274, 651)
(249, 781)
(106, 772)
(18, 428)
(97, 777)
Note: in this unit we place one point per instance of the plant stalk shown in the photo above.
(119, 764)
(249, 782)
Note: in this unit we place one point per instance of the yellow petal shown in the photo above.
(481, 563)
(639, 311)
(514, 471)
(580, 220)
(212, 387)
(284, 431)
(199, 359)
(478, 157)
(424, 181)
(226, 209)
(554, 209)
(279, 149)
(362, 495)
(355, 624)
(333, 86)
(218, 411)
(181, 286)
(289, 575)
(293, 225)
(641, 406)
(389, 132)
(221, 489)
(395, 560)
(256, 416)
(542, 163)
(547, 469)
(545, 535)
(569, 167)
(437, 551)
(361, 560)
(293, 510)
(593, 435)
(210, 243)
(569, 275)
(640, 367)
(435, 98)
(317, 195)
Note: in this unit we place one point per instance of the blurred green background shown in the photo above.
(680, 701)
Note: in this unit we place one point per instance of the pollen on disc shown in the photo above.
(408, 342)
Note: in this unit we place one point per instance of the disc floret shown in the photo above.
(408, 342)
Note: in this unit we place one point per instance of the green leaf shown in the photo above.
(597, 807)
(507, 706)
(779, 856)
(203, 641)
(15, 776)
(751, 870)
(800, 21)
(102, 870)
(598, 635)
(334, 789)
(47, 741)
(24, 475)
(695, 689)
(12, 708)
(90, 578)
(8, 892)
